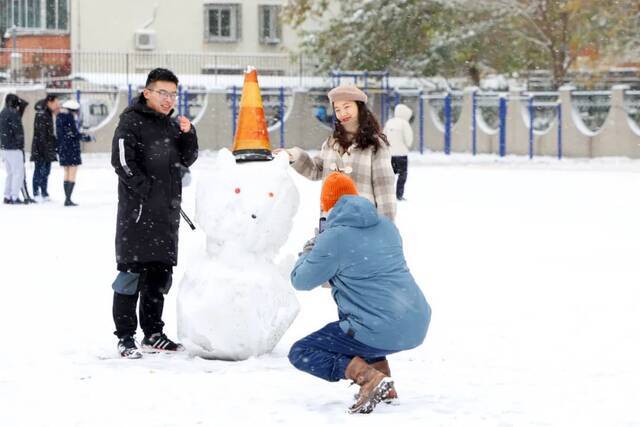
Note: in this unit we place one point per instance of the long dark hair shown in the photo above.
(369, 132)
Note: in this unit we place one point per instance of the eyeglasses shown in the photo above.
(164, 94)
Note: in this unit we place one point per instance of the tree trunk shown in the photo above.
(474, 75)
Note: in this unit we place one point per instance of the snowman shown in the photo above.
(234, 302)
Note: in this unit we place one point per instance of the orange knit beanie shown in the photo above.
(335, 186)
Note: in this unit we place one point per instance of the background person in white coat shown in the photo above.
(400, 135)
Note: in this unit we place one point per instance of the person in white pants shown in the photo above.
(12, 146)
(14, 164)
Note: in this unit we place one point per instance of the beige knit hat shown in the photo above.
(346, 93)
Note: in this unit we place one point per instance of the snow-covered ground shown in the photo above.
(531, 269)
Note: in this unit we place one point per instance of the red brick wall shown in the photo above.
(41, 42)
(34, 62)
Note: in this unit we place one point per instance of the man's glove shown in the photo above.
(185, 174)
(308, 246)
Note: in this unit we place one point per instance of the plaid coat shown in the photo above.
(372, 172)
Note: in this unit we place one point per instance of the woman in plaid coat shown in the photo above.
(357, 148)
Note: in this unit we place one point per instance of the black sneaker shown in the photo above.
(7, 201)
(128, 348)
(160, 342)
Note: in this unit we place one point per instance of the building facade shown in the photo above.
(30, 26)
(240, 27)
(49, 40)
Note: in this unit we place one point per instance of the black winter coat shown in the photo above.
(68, 140)
(11, 129)
(43, 145)
(148, 153)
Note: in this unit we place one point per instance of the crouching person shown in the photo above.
(381, 310)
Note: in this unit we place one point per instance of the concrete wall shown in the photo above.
(215, 129)
(302, 129)
(619, 136)
(103, 133)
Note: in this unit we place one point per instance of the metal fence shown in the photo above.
(96, 77)
(71, 68)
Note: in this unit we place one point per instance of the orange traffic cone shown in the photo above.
(251, 141)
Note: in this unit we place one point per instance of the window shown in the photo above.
(222, 22)
(33, 14)
(51, 14)
(98, 110)
(17, 9)
(22, 13)
(28, 15)
(269, 25)
(57, 15)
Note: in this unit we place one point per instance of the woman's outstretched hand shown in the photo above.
(276, 151)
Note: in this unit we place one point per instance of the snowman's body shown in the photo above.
(234, 302)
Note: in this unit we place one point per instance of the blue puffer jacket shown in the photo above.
(360, 253)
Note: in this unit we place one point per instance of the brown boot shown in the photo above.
(374, 385)
(383, 366)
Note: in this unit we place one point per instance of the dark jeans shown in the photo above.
(151, 284)
(41, 178)
(327, 352)
(400, 165)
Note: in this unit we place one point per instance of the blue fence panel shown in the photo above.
(234, 108)
(474, 123)
(447, 124)
(281, 117)
(503, 126)
(532, 112)
(185, 107)
(421, 107)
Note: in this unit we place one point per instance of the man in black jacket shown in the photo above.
(12, 146)
(43, 145)
(149, 152)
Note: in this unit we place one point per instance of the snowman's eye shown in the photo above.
(237, 190)
(271, 194)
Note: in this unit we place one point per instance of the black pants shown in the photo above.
(154, 280)
(400, 165)
(41, 178)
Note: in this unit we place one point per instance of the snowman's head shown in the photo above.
(247, 206)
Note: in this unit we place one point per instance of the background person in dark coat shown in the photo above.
(12, 146)
(149, 151)
(69, 146)
(43, 145)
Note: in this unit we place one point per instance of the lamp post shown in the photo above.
(16, 57)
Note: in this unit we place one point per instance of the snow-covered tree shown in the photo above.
(455, 37)
(370, 34)
(560, 29)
